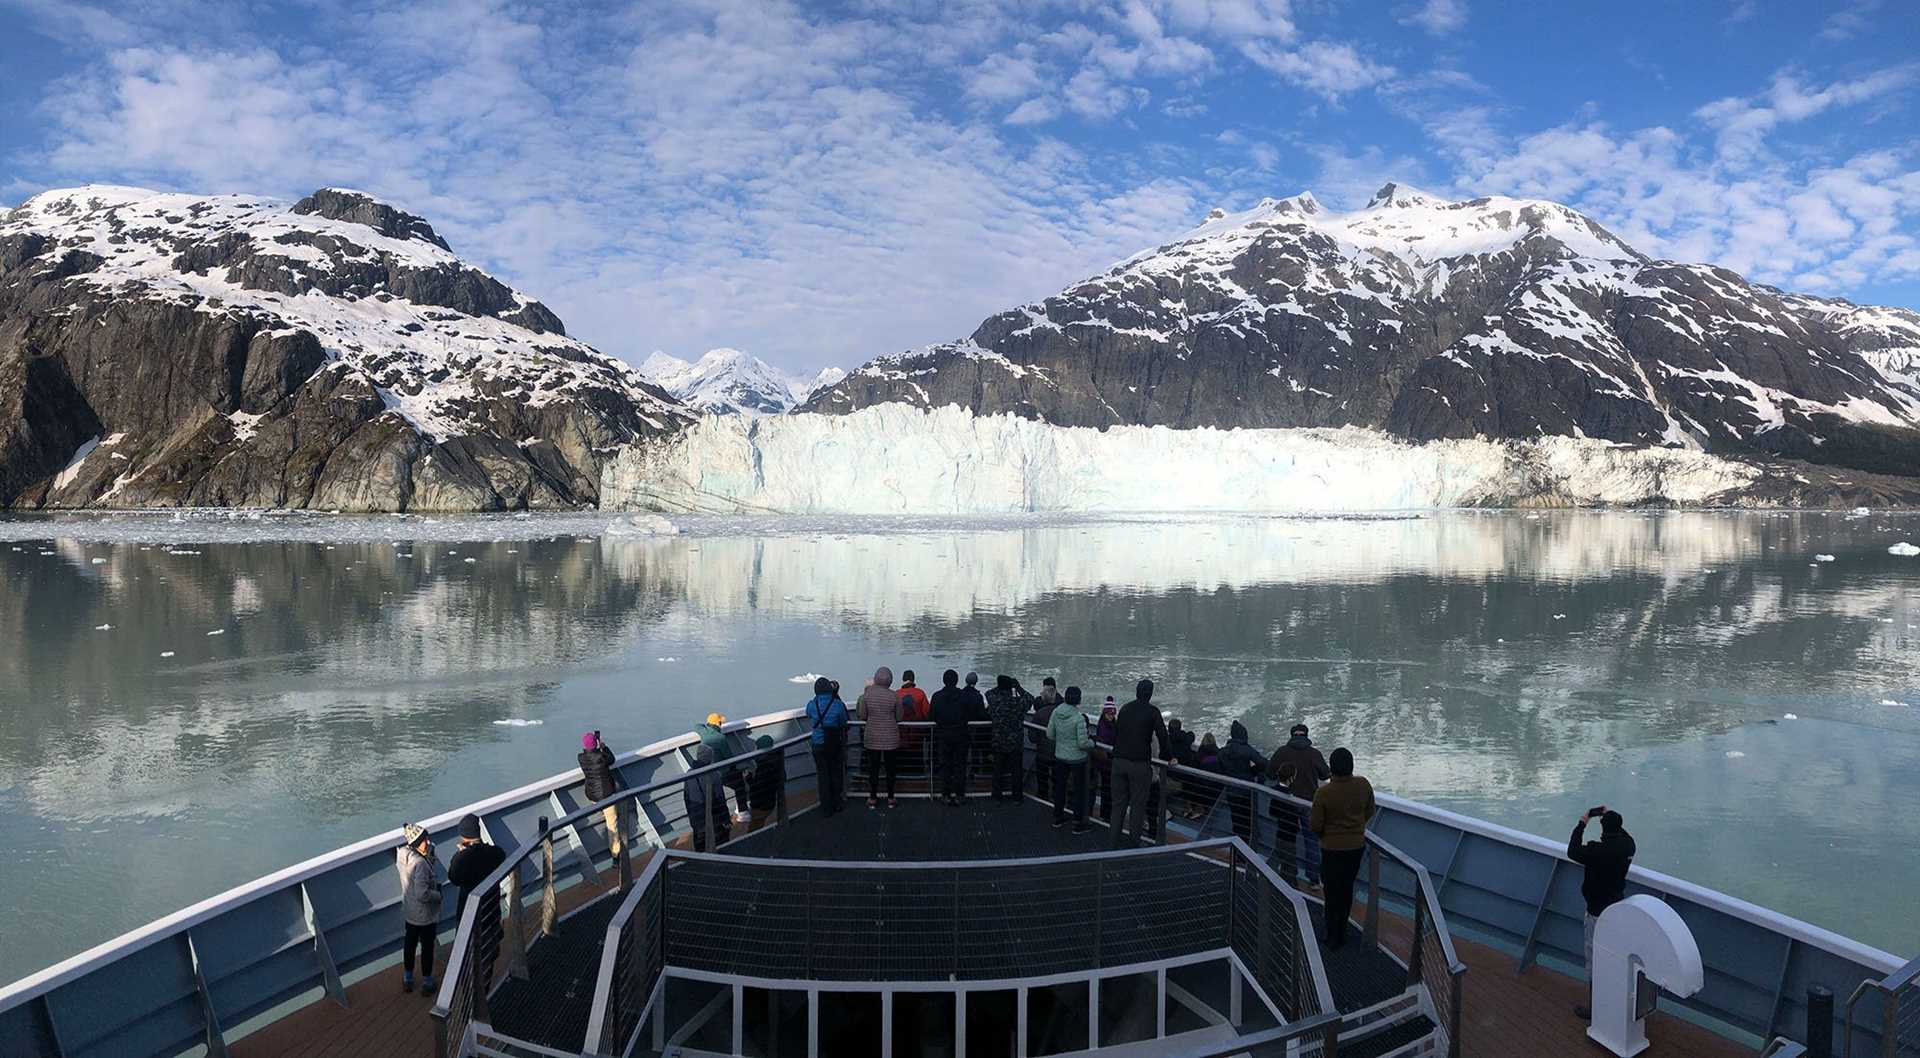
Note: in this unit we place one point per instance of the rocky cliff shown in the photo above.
(1496, 318)
(175, 350)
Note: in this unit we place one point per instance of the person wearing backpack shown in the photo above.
(827, 727)
(419, 905)
(1067, 734)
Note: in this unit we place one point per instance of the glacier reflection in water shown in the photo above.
(1511, 665)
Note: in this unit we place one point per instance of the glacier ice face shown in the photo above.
(895, 459)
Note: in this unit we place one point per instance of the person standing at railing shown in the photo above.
(880, 737)
(1067, 734)
(420, 898)
(1007, 707)
(471, 863)
(1103, 758)
(706, 796)
(1043, 706)
(1239, 760)
(951, 709)
(827, 737)
(713, 736)
(1136, 728)
(1298, 768)
(1604, 882)
(600, 781)
(915, 708)
(769, 775)
(1341, 811)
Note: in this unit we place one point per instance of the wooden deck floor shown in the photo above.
(1506, 1014)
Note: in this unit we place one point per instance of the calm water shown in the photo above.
(1513, 666)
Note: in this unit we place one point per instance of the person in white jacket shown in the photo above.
(1067, 731)
(420, 905)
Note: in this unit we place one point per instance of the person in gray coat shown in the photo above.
(419, 905)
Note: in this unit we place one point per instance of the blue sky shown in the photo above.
(819, 183)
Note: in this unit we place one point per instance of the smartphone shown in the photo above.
(1597, 810)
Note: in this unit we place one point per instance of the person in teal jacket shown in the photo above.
(1067, 730)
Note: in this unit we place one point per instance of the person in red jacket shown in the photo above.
(915, 708)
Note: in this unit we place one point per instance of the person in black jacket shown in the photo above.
(602, 782)
(1239, 760)
(951, 708)
(471, 864)
(1607, 862)
(769, 775)
(1136, 728)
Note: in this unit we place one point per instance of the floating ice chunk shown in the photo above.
(805, 677)
(1863, 511)
(1735, 754)
(99, 561)
(644, 525)
(103, 628)
(514, 721)
(1889, 701)
(469, 561)
(46, 552)
(1823, 558)
(1559, 617)
(166, 653)
(218, 632)
(1790, 716)
(666, 659)
(1904, 549)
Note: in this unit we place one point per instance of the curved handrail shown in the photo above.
(442, 1004)
(169, 926)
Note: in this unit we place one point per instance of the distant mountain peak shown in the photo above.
(727, 381)
(1393, 194)
(358, 207)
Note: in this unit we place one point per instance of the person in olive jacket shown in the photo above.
(1341, 810)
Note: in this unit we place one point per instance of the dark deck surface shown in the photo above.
(922, 829)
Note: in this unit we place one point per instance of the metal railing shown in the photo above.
(821, 925)
(1268, 819)
(600, 836)
(1899, 1027)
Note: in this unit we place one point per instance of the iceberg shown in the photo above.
(1904, 549)
(897, 459)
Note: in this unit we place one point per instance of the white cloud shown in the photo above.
(1439, 17)
(1744, 122)
(1850, 21)
(1322, 67)
(1004, 78)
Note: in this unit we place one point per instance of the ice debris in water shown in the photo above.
(1823, 558)
(103, 628)
(517, 722)
(166, 653)
(644, 525)
(805, 677)
(1735, 754)
(1904, 549)
(469, 560)
(1790, 716)
(99, 561)
(666, 659)
(218, 632)
(1559, 617)
(1889, 701)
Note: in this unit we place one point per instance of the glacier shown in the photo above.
(898, 459)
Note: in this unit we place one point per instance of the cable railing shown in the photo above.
(818, 925)
(1898, 1030)
(569, 861)
(1274, 823)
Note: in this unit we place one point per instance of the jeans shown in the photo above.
(1106, 792)
(953, 763)
(878, 759)
(1007, 773)
(1295, 847)
(1131, 780)
(722, 824)
(1591, 920)
(830, 766)
(425, 940)
(1343, 868)
(1076, 773)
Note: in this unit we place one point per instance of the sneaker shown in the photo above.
(1583, 1013)
(406, 982)
(1058, 823)
(1082, 829)
(428, 986)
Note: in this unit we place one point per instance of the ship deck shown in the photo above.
(1507, 1014)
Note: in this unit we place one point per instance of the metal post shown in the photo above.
(515, 927)
(1819, 1022)
(1370, 930)
(549, 903)
(1889, 1023)
(780, 793)
(1234, 1013)
(620, 844)
(813, 1024)
(1093, 1012)
(1419, 927)
(960, 1023)
(1160, 999)
(1099, 914)
(1165, 814)
(739, 1018)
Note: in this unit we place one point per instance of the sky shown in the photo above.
(822, 183)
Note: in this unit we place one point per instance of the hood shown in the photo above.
(1237, 732)
(1299, 742)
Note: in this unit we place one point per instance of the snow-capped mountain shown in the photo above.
(172, 350)
(1493, 317)
(730, 382)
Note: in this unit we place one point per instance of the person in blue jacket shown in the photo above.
(826, 722)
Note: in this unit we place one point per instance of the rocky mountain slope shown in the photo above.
(1495, 317)
(730, 382)
(175, 350)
